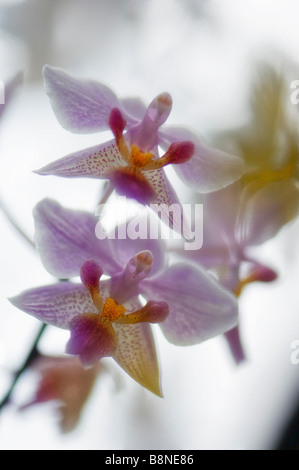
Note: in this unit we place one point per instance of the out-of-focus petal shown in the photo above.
(56, 304)
(81, 106)
(136, 354)
(200, 308)
(235, 344)
(93, 162)
(9, 89)
(265, 211)
(63, 380)
(209, 169)
(66, 238)
(220, 247)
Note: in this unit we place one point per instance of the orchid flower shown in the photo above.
(266, 197)
(63, 380)
(106, 317)
(131, 161)
(236, 219)
(254, 209)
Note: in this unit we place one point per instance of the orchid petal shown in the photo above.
(166, 203)
(134, 107)
(136, 351)
(136, 354)
(128, 184)
(265, 211)
(93, 162)
(63, 379)
(81, 106)
(219, 245)
(92, 338)
(200, 308)
(56, 304)
(66, 238)
(209, 169)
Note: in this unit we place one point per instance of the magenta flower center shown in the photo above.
(92, 334)
(130, 180)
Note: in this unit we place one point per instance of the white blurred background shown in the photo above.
(204, 52)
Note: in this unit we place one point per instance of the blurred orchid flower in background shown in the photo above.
(269, 142)
(106, 318)
(63, 381)
(236, 220)
(131, 161)
(252, 210)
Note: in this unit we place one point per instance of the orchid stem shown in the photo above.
(33, 354)
(15, 225)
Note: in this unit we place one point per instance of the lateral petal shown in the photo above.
(209, 169)
(199, 307)
(93, 162)
(56, 304)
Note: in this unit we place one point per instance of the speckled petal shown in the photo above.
(93, 162)
(136, 354)
(92, 338)
(57, 304)
(166, 199)
(209, 169)
(66, 238)
(200, 308)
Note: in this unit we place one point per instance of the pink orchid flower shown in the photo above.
(131, 160)
(106, 317)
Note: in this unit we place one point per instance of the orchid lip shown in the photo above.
(132, 184)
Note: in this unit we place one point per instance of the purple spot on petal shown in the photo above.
(133, 185)
(92, 338)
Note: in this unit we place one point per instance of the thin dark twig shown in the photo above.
(33, 353)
